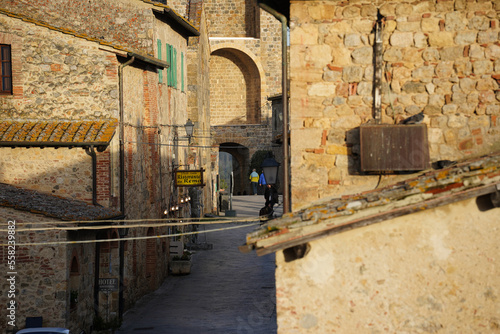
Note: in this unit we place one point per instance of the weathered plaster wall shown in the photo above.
(441, 58)
(430, 272)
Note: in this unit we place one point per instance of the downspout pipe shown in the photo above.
(91, 151)
(122, 135)
(121, 304)
(284, 82)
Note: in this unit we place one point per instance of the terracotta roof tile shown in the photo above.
(432, 188)
(26, 133)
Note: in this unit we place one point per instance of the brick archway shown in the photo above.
(235, 88)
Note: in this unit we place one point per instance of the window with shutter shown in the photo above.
(160, 72)
(182, 71)
(6, 60)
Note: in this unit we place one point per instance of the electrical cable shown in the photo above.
(189, 221)
(126, 239)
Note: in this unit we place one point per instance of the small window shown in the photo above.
(6, 60)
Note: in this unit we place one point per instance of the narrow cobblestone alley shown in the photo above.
(226, 292)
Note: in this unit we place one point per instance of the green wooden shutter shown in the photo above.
(182, 71)
(160, 72)
(169, 60)
(175, 69)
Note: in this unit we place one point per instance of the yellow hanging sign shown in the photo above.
(189, 178)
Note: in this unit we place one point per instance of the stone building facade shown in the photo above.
(53, 280)
(204, 153)
(390, 251)
(124, 62)
(414, 257)
(441, 58)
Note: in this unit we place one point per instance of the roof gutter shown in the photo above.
(171, 14)
(284, 82)
(101, 146)
(90, 151)
(148, 59)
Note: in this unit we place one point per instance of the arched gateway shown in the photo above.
(239, 111)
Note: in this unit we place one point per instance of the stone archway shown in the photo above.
(241, 161)
(235, 88)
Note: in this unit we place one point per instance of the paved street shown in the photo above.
(226, 292)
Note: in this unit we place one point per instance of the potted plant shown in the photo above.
(181, 265)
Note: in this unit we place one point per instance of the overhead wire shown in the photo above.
(72, 242)
(182, 222)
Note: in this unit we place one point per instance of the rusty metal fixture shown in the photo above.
(394, 148)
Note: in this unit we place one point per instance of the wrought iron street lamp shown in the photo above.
(270, 168)
(189, 127)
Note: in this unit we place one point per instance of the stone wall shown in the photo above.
(80, 281)
(245, 69)
(67, 76)
(128, 23)
(428, 272)
(242, 142)
(57, 281)
(440, 58)
(61, 172)
(198, 94)
(244, 72)
(41, 276)
(60, 76)
(232, 18)
(235, 84)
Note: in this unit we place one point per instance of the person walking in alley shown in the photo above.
(271, 196)
(254, 180)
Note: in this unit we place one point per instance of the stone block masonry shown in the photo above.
(440, 58)
(61, 172)
(118, 24)
(40, 274)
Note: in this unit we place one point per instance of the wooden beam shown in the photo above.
(380, 217)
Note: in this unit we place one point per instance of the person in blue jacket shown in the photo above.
(262, 180)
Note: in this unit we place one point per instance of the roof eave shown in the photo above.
(27, 144)
(187, 27)
(150, 60)
(328, 227)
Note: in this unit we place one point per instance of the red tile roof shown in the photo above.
(56, 133)
(433, 188)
